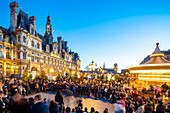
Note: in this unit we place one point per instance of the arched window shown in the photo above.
(32, 43)
(38, 45)
(24, 55)
(7, 55)
(19, 38)
(47, 49)
(24, 39)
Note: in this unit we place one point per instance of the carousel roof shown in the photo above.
(157, 57)
(155, 62)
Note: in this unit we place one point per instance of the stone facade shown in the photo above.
(22, 47)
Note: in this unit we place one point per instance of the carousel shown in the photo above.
(154, 70)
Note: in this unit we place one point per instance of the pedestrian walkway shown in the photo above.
(71, 101)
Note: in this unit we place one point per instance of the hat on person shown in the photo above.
(169, 103)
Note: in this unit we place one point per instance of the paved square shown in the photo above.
(71, 101)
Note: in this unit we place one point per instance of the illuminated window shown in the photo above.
(7, 55)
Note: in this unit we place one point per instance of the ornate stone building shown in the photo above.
(22, 47)
(92, 71)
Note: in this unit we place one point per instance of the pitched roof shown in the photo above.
(23, 20)
(157, 57)
(157, 50)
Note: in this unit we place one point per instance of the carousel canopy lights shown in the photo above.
(155, 68)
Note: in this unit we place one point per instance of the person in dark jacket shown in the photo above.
(2, 104)
(23, 106)
(164, 88)
(39, 106)
(68, 110)
(31, 103)
(59, 99)
(54, 107)
(13, 102)
(14, 89)
(161, 107)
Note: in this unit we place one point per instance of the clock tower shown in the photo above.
(48, 33)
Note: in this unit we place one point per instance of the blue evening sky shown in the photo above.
(114, 31)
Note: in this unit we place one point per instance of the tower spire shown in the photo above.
(48, 33)
(104, 65)
(157, 50)
(48, 26)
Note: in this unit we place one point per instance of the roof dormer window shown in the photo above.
(32, 31)
(47, 49)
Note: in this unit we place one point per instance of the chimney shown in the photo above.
(59, 44)
(13, 15)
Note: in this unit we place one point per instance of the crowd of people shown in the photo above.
(124, 99)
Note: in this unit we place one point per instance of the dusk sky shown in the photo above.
(110, 31)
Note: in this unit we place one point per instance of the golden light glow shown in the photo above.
(113, 78)
(150, 71)
(143, 65)
(109, 76)
(154, 75)
(51, 70)
(154, 79)
(5, 66)
(157, 54)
